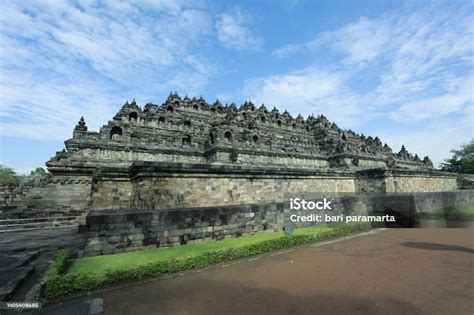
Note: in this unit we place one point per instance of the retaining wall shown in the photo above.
(112, 232)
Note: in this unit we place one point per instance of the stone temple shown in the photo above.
(187, 155)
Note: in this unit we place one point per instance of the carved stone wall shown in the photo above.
(193, 131)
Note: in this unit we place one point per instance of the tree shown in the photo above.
(8, 176)
(462, 160)
(37, 172)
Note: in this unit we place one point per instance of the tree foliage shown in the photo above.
(38, 171)
(9, 177)
(462, 160)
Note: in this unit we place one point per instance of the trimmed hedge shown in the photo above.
(58, 285)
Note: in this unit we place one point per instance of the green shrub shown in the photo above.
(59, 264)
(54, 283)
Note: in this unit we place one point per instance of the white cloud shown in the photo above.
(61, 60)
(234, 32)
(411, 68)
(287, 50)
(302, 86)
(438, 106)
(361, 41)
(420, 58)
(311, 91)
(434, 139)
(411, 40)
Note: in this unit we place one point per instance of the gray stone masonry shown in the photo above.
(244, 148)
(113, 232)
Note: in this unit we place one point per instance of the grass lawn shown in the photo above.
(99, 265)
(89, 273)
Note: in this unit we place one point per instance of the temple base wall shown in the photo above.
(184, 191)
(398, 181)
(50, 196)
(162, 185)
(111, 194)
(114, 232)
(165, 185)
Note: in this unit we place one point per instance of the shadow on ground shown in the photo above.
(435, 246)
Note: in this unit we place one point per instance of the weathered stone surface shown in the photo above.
(173, 227)
(193, 131)
(49, 195)
(169, 185)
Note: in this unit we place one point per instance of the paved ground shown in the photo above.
(398, 271)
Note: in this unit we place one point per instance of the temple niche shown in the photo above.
(116, 133)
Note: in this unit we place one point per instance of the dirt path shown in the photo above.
(399, 271)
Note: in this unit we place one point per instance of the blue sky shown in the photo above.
(399, 70)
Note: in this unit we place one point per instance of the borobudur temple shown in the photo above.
(188, 153)
(188, 171)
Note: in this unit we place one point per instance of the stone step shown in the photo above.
(9, 281)
(28, 290)
(14, 269)
(25, 257)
